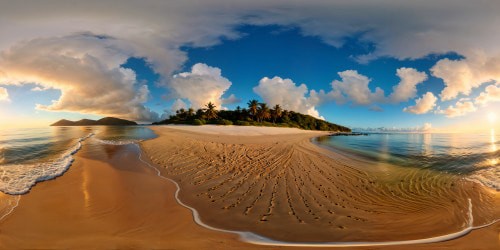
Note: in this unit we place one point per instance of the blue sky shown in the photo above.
(334, 60)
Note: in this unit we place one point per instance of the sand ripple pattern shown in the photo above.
(285, 188)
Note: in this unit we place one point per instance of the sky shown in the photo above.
(419, 65)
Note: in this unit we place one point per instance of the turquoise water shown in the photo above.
(473, 156)
(28, 156)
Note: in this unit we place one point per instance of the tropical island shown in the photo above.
(257, 114)
(106, 121)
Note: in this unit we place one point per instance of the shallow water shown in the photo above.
(472, 156)
(28, 156)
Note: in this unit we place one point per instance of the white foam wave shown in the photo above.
(489, 177)
(117, 142)
(19, 178)
(256, 239)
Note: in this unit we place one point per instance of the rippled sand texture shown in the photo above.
(286, 188)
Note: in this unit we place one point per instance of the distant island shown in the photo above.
(257, 114)
(107, 121)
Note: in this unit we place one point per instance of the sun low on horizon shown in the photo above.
(145, 63)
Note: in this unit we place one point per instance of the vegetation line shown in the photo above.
(257, 114)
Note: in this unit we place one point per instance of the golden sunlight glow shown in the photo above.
(493, 147)
(492, 117)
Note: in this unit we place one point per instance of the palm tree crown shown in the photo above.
(210, 111)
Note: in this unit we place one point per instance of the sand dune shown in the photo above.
(282, 186)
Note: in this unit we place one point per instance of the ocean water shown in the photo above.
(28, 156)
(475, 157)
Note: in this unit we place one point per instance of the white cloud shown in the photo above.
(4, 95)
(156, 30)
(491, 94)
(88, 75)
(422, 105)
(354, 87)
(427, 126)
(178, 104)
(407, 87)
(462, 76)
(460, 109)
(202, 85)
(287, 94)
(232, 99)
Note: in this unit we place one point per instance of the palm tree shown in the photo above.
(263, 112)
(276, 112)
(190, 112)
(210, 111)
(252, 107)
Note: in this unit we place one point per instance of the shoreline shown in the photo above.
(433, 238)
(74, 205)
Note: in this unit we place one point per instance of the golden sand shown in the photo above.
(284, 187)
(271, 184)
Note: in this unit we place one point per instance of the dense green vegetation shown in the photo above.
(257, 114)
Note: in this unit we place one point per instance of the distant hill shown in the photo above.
(107, 121)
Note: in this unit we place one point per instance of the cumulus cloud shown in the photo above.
(463, 75)
(202, 85)
(4, 95)
(354, 87)
(490, 94)
(232, 99)
(427, 126)
(287, 94)
(460, 109)
(156, 30)
(89, 76)
(407, 87)
(422, 105)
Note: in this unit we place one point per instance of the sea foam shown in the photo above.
(19, 178)
(117, 142)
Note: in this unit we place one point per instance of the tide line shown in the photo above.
(12, 208)
(256, 239)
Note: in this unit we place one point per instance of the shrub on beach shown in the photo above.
(224, 122)
(242, 123)
(198, 122)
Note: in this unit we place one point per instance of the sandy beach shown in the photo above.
(280, 185)
(270, 181)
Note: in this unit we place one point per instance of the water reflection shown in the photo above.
(493, 141)
(426, 144)
(493, 148)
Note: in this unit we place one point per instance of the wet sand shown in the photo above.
(105, 201)
(281, 186)
(111, 199)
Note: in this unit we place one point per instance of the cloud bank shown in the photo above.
(98, 36)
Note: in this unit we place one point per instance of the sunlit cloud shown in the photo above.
(4, 95)
(459, 109)
(286, 93)
(202, 85)
(422, 105)
(407, 87)
(491, 94)
(463, 75)
(88, 75)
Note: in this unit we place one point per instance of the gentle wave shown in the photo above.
(256, 239)
(488, 177)
(19, 178)
(117, 142)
